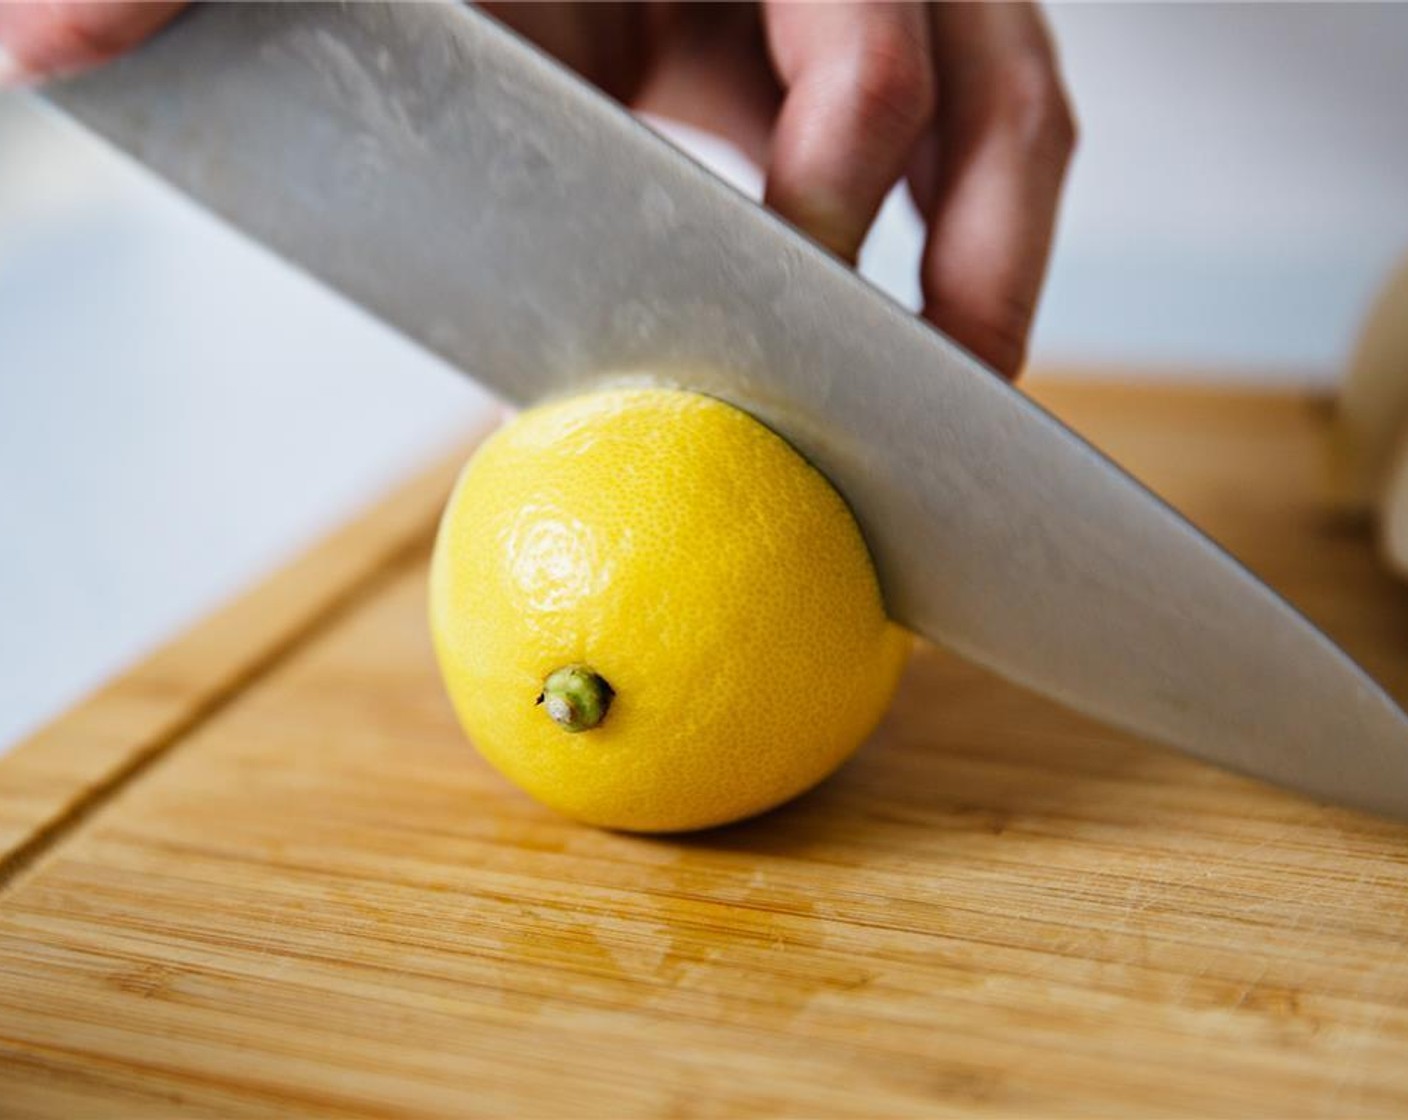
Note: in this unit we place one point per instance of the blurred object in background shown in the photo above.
(1368, 445)
(1371, 407)
(179, 411)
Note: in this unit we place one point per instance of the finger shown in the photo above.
(990, 176)
(860, 91)
(46, 40)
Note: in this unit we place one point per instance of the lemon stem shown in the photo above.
(576, 697)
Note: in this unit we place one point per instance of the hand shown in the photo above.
(838, 102)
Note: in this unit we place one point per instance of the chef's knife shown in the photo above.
(448, 177)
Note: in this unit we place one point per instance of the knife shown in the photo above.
(456, 182)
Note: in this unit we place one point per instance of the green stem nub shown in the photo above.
(576, 698)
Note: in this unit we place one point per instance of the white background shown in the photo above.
(179, 412)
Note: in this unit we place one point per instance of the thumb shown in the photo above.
(40, 41)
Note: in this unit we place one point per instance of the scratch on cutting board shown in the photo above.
(28, 855)
(1358, 1067)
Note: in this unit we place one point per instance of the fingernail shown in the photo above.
(13, 73)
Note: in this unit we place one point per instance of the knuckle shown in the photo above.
(1010, 328)
(998, 334)
(91, 36)
(894, 82)
(1027, 99)
(1003, 346)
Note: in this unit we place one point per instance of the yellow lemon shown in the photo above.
(653, 615)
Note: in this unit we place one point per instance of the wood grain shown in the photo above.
(317, 901)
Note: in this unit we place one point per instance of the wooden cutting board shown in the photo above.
(263, 874)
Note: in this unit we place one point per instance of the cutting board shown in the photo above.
(263, 874)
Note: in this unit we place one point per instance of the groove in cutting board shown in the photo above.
(55, 780)
(204, 707)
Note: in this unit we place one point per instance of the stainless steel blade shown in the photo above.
(443, 174)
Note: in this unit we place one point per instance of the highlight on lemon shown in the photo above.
(653, 615)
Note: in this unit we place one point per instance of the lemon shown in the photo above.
(653, 615)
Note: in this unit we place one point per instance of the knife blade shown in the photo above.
(459, 184)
